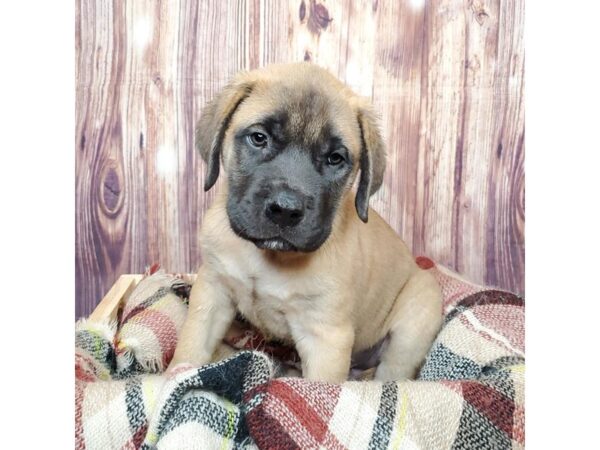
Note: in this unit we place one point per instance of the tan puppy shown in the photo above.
(284, 243)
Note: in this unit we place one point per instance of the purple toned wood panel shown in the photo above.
(446, 77)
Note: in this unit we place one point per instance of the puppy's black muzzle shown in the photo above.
(285, 207)
(283, 204)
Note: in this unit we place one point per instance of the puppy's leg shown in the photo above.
(325, 351)
(416, 320)
(210, 314)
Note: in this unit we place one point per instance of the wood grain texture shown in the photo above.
(446, 77)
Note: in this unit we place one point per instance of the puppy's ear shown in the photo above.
(372, 160)
(213, 124)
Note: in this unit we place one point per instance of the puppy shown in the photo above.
(289, 245)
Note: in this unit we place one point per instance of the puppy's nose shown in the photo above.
(285, 208)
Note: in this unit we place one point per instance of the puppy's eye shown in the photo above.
(335, 158)
(258, 139)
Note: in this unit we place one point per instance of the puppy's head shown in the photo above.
(291, 139)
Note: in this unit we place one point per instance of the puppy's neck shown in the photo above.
(291, 260)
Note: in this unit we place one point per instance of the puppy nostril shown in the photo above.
(275, 208)
(295, 215)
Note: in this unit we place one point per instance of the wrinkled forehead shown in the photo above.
(301, 115)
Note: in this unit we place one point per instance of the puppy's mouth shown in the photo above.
(277, 244)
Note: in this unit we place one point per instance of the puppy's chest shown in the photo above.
(268, 298)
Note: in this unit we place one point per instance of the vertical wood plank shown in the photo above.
(276, 31)
(439, 163)
(478, 135)
(397, 97)
(505, 210)
(106, 209)
(446, 77)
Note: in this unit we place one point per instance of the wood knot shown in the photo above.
(302, 12)
(479, 11)
(318, 18)
(110, 190)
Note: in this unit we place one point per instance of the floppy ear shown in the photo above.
(213, 123)
(372, 160)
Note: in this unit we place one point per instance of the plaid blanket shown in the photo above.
(469, 393)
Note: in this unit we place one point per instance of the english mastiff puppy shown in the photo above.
(288, 243)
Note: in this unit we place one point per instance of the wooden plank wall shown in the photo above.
(446, 76)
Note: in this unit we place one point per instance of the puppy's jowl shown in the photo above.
(287, 242)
